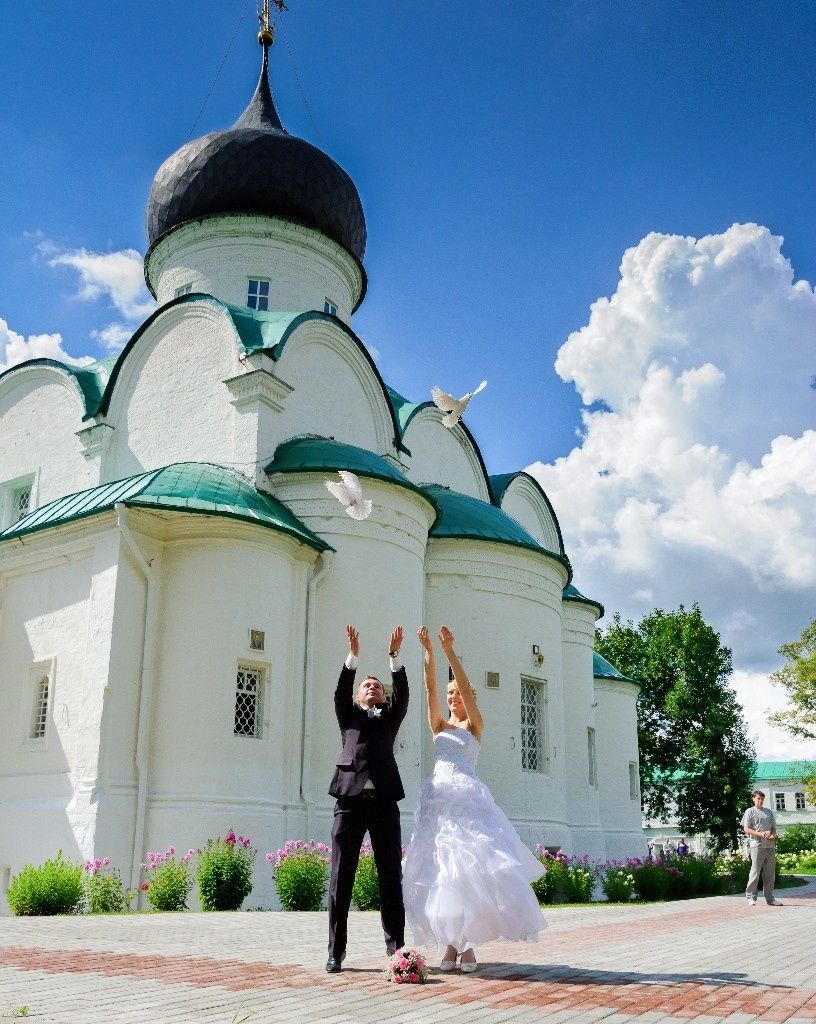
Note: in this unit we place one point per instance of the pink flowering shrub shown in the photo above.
(406, 967)
(168, 881)
(224, 872)
(301, 873)
(104, 892)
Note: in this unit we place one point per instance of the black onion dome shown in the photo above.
(257, 167)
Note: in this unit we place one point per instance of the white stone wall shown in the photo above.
(40, 411)
(57, 604)
(499, 601)
(578, 636)
(170, 403)
(219, 255)
(522, 500)
(616, 744)
(442, 456)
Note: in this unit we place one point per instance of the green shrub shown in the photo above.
(168, 881)
(104, 892)
(224, 872)
(797, 839)
(652, 880)
(733, 872)
(366, 892)
(550, 886)
(300, 874)
(579, 880)
(803, 862)
(617, 883)
(54, 887)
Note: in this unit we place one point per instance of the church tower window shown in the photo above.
(258, 294)
(533, 726)
(329, 307)
(184, 290)
(249, 687)
(592, 758)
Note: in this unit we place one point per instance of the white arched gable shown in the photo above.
(337, 392)
(41, 410)
(524, 501)
(169, 402)
(443, 456)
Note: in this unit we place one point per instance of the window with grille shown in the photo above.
(258, 294)
(329, 307)
(184, 290)
(20, 503)
(633, 781)
(780, 801)
(533, 726)
(249, 686)
(592, 759)
(800, 802)
(39, 714)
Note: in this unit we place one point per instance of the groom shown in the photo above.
(367, 786)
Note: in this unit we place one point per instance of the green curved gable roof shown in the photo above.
(322, 454)
(196, 487)
(499, 483)
(471, 519)
(90, 380)
(572, 593)
(603, 669)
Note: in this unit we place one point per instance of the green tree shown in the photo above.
(696, 759)
(798, 677)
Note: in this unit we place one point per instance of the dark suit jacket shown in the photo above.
(368, 743)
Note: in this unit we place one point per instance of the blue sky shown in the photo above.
(507, 156)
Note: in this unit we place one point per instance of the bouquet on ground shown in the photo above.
(406, 967)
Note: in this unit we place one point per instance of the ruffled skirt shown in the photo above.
(466, 873)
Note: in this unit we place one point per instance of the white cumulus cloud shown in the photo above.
(15, 348)
(117, 276)
(695, 475)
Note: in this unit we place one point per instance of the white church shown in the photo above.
(175, 578)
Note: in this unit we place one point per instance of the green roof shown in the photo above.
(499, 482)
(325, 455)
(469, 518)
(603, 669)
(779, 770)
(572, 593)
(197, 487)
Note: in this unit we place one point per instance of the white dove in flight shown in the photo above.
(454, 407)
(350, 495)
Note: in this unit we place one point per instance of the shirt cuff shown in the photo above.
(351, 661)
(396, 663)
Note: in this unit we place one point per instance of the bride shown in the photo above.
(466, 873)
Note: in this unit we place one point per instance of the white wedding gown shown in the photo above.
(466, 873)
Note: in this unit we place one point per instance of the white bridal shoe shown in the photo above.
(447, 965)
(468, 967)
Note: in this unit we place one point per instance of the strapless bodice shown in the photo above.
(455, 748)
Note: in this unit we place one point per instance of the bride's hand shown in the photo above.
(424, 638)
(446, 639)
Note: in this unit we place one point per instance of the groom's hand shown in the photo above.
(353, 640)
(395, 642)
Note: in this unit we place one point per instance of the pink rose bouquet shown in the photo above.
(406, 967)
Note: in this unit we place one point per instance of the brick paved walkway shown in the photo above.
(708, 961)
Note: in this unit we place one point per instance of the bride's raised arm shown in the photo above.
(466, 691)
(435, 720)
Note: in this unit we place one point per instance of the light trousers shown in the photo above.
(763, 862)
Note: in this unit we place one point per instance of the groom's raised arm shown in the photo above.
(399, 693)
(344, 692)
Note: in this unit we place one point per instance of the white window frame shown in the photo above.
(592, 758)
(247, 665)
(36, 672)
(539, 686)
(258, 281)
(10, 490)
(780, 798)
(329, 307)
(185, 289)
(801, 801)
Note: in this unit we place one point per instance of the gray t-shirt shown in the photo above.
(761, 820)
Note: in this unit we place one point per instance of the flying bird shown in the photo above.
(454, 407)
(350, 495)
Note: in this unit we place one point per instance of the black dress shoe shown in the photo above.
(333, 966)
